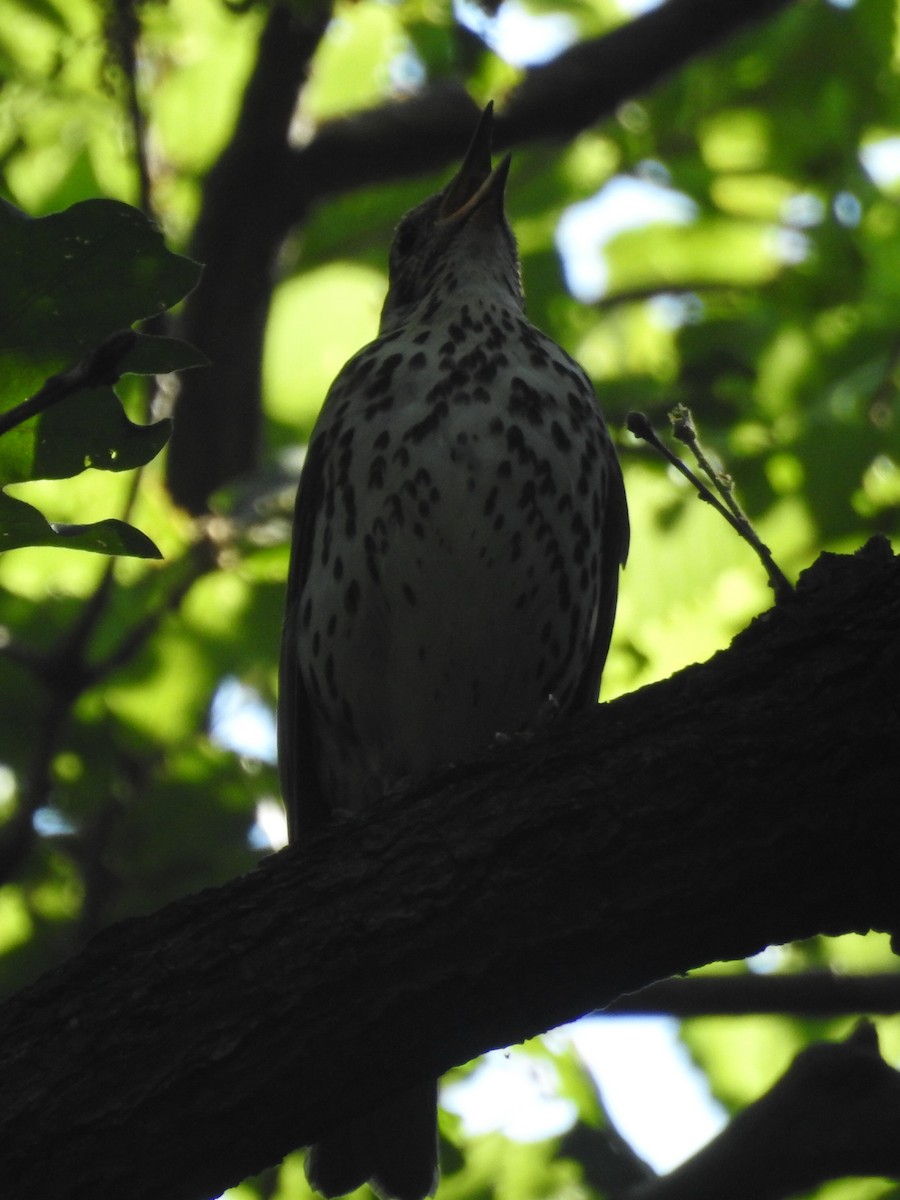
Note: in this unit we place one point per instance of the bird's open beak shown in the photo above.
(477, 180)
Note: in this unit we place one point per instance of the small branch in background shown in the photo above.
(99, 366)
(608, 1163)
(218, 433)
(811, 994)
(66, 673)
(725, 502)
(123, 31)
(200, 560)
(19, 833)
(833, 1114)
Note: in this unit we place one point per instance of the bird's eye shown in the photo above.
(405, 239)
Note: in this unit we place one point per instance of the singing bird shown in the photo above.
(458, 533)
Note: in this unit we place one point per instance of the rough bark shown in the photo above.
(746, 801)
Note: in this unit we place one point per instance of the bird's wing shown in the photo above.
(306, 805)
(615, 534)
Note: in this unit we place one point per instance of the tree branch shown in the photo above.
(557, 99)
(746, 801)
(218, 432)
(99, 366)
(261, 187)
(806, 994)
(591, 79)
(835, 1112)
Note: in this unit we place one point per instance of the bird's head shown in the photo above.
(456, 240)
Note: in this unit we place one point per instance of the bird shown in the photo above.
(459, 529)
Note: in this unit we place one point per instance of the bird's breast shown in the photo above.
(454, 573)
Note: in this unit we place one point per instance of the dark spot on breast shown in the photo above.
(381, 380)
(561, 439)
(376, 472)
(515, 442)
(526, 401)
(394, 506)
(329, 675)
(421, 429)
(385, 404)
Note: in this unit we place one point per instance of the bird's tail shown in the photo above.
(394, 1148)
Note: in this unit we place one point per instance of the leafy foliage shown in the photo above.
(73, 279)
(737, 250)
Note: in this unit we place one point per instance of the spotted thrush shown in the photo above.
(458, 534)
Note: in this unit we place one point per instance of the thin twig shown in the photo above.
(685, 431)
(727, 506)
(123, 31)
(99, 367)
(200, 560)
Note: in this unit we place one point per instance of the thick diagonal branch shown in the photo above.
(746, 801)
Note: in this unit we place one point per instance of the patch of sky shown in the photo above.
(624, 202)
(516, 35)
(50, 822)
(240, 721)
(269, 829)
(523, 38)
(881, 159)
(768, 961)
(847, 209)
(657, 1099)
(803, 210)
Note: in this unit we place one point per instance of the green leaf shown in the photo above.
(87, 429)
(714, 252)
(22, 525)
(154, 355)
(72, 279)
